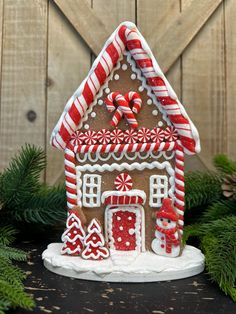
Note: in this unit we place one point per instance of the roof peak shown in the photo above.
(126, 36)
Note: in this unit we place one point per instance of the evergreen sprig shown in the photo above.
(12, 292)
(202, 189)
(218, 242)
(23, 197)
(224, 165)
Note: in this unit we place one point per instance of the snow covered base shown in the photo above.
(125, 266)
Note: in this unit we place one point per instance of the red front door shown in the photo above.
(123, 230)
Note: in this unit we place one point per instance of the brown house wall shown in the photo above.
(140, 181)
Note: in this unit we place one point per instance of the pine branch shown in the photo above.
(218, 210)
(12, 253)
(7, 234)
(15, 295)
(21, 179)
(47, 207)
(11, 274)
(224, 165)
(202, 189)
(218, 242)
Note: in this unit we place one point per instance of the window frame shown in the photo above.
(88, 198)
(156, 185)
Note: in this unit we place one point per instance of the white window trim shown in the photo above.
(94, 190)
(157, 183)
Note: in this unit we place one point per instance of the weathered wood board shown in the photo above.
(47, 46)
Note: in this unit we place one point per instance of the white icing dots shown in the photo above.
(160, 123)
(74, 243)
(149, 101)
(94, 238)
(73, 219)
(75, 231)
(93, 114)
(100, 102)
(86, 126)
(124, 67)
(107, 90)
(116, 77)
(129, 218)
(121, 228)
(69, 234)
(89, 250)
(118, 218)
(131, 231)
(127, 243)
(141, 88)
(119, 239)
(155, 112)
(133, 76)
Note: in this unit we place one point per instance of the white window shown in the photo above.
(158, 190)
(91, 190)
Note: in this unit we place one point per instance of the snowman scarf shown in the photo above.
(170, 238)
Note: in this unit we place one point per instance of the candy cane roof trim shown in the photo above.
(125, 36)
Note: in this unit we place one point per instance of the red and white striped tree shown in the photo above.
(74, 235)
(94, 242)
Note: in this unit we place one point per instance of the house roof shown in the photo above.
(126, 36)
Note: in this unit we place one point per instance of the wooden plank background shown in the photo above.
(47, 47)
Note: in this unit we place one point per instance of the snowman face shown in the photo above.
(165, 223)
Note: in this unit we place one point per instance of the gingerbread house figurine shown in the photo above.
(124, 134)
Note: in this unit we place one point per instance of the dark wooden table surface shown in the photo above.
(57, 294)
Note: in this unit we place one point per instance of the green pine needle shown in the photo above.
(224, 164)
(218, 242)
(217, 210)
(7, 234)
(21, 178)
(202, 189)
(15, 295)
(12, 253)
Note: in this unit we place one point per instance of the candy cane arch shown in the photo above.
(70, 173)
(135, 99)
(122, 109)
(179, 184)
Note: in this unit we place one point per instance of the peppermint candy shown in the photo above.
(123, 182)
(171, 134)
(157, 135)
(144, 135)
(130, 136)
(90, 137)
(77, 138)
(104, 136)
(117, 136)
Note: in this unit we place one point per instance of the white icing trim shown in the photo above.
(97, 156)
(125, 166)
(140, 221)
(91, 198)
(157, 183)
(136, 192)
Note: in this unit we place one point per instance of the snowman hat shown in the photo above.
(167, 210)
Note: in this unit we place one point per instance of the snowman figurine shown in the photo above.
(167, 238)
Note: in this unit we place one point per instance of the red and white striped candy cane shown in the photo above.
(135, 99)
(115, 98)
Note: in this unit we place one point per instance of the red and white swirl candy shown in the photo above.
(90, 137)
(157, 135)
(144, 135)
(117, 136)
(115, 101)
(123, 182)
(171, 134)
(77, 138)
(104, 136)
(135, 100)
(130, 136)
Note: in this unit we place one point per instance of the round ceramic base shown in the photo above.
(125, 266)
